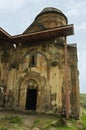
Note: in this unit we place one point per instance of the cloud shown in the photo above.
(82, 69)
(81, 27)
(36, 0)
(9, 4)
(76, 8)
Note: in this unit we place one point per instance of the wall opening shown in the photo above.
(31, 99)
(33, 59)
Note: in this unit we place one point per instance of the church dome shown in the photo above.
(50, 10)
(48, 18)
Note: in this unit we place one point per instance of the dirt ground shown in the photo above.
(28, 120)
(17, 120)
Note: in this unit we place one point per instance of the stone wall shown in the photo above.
(48, 73)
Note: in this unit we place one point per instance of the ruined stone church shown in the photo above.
(39, 68)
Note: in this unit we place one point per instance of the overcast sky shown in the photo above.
(17, 15)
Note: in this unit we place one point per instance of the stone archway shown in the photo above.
(35, 84)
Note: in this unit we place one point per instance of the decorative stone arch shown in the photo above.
(31, 83)
(38, 82)
(30, 59)
(33, 52)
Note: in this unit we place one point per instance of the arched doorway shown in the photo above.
(31, 95)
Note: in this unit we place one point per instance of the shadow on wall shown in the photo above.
(6, 98)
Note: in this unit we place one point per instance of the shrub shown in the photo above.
(83, 118)
(15, 120)
(62, 122)
(2, 128)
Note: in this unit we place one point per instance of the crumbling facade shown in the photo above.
(32, 66)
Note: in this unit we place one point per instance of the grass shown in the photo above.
(2, 128)
(60, 127)
(14, 123)
(46, 124)
(35, 123)
(50, 123)
(83, 100)
(56, 124)
(67, 128)
(83, 118)
(14, 120)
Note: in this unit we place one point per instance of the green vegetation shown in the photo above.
(83, 100)
(15, 120)
(59, 124)
(46, 123)
(2, 128)
(35, 123)
(83, 118)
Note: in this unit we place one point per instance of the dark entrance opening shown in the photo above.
(31, 99)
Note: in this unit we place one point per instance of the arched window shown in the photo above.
(33, 58)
